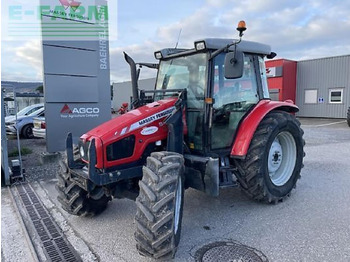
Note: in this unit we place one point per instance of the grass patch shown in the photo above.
(24, 151)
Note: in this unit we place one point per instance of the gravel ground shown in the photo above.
(35, 170)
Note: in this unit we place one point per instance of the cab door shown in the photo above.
(232, 100)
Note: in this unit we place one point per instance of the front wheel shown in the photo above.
(348, 116)
(27, 131)
(274, 160)
(159, 205)
(77, 201)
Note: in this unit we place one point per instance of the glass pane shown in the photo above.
(31, 111)
(185, 72)
(243, 89)
(232, 99)
(263, 78)
(336, 96)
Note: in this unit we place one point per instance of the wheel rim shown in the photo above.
(29, 132)
(178, 201)
(282, 158)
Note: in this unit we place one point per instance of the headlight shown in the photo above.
(12, 123)
(200, 45)
(81, 150)
(158, 55)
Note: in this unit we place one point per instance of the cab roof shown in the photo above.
(244, 46)
(217, 43)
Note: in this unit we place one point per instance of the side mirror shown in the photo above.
(234, 65)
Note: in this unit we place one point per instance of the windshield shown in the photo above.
(27, 110)
(22, 112)
(185, 72)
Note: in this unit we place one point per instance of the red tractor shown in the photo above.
(208, 124)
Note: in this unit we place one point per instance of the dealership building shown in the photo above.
(319, 87)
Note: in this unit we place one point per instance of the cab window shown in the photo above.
(232, 99)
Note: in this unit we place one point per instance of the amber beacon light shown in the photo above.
(241, 27)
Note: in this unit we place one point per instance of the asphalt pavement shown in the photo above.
(311, 225)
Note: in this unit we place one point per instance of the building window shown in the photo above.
(336, 95)
(311, 96)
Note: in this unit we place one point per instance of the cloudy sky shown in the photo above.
(295, 29)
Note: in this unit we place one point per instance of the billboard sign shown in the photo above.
(76, 68)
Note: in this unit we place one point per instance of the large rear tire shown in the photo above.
(348, 116)
(274, 160)
(77, 201)
(159, 205)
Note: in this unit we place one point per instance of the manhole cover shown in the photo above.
(229, 252)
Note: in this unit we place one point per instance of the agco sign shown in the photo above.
(86, 110)
(66, 112)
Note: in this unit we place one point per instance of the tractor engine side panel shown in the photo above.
(141, 138)
(124, 139)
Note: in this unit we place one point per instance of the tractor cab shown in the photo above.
(224, 79)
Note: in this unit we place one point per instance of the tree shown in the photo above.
(40, 89)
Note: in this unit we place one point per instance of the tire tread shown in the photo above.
(250, 173)
(154, 217)
(74, 199)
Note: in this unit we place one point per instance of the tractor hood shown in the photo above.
(138, 118)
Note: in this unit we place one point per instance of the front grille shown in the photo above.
(121, 149)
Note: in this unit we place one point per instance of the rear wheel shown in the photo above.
(348, 116)
(274, 160)
(159, 205)
(77, 201)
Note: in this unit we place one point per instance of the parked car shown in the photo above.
(39, 129)
(24, 112)
(24, 124)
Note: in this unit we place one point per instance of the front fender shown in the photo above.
(249, 125)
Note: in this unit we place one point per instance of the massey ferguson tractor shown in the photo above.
(208, 124)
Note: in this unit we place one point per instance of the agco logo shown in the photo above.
(74, 5)
(80, 111)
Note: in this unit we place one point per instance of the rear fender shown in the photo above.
(249, 125)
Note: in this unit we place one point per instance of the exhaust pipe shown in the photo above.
(134, 80)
